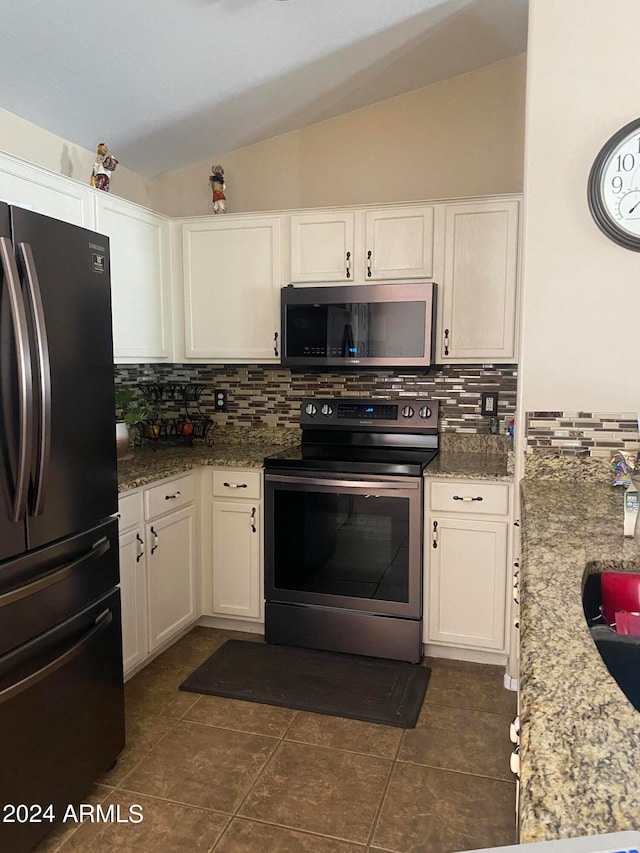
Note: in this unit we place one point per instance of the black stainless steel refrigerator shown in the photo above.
(61, 693)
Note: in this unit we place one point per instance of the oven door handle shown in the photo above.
(387, 486)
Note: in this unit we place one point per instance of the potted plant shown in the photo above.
(128, 411)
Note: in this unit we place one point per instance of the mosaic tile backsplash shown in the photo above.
(270, 396)
(588, 434)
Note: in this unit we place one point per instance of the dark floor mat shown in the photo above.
(362, 688)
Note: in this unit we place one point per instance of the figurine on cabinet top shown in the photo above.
(218, 187)
(104, 165)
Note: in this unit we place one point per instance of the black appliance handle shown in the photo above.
(25, 380)
(97, 550)
(367, 485)
(43, 427)
(101, 622)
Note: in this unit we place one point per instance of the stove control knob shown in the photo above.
(424, 412)
(326, 410)
(407, 412)
(311, 410)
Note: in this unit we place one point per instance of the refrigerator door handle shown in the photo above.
(102, 622)
(43, 439)
(25, 380)
(97, 550)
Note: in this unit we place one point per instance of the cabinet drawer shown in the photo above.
(473, 497)
(130, 510)
(237, 484)
(169, 495)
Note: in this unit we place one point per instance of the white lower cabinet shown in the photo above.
(236, 544)
(466, 557)
(157, 566)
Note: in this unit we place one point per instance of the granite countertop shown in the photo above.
(580, 737)
(460, 457)
(238, 447)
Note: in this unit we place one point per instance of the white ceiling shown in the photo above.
(169, 83)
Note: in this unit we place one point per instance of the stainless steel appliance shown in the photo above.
(343, 528)
(362, 326)
(61, 693)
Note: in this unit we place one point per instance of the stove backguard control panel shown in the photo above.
(413, 414)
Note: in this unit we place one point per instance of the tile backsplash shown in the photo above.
(588, 434)
(270, 396)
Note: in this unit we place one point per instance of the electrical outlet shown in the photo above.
(489, 405)
(220, 400)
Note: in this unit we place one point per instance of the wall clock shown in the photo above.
(613, 189)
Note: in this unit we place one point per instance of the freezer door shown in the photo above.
(65, 275)
(42, 588)
(61, 718)
(16, 397)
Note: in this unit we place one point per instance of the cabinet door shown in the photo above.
(479, 287)
(237, 588)
(232, 275)
(170, 546)
(466, 590)
(322, 246)
(133, 600)
(37, 189)
(140, 279)
(399, 243)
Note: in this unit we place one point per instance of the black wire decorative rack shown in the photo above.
(178, 428)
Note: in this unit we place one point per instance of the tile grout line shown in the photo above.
(255, 781)
(394, 761)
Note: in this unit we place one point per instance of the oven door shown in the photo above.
(344, 541)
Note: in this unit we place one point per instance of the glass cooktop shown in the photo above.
(348, 459)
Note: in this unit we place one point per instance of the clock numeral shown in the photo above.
(626, 163)
(616, 184)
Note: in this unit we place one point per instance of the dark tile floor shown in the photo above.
(215, 774)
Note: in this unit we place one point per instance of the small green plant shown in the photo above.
(128, 409)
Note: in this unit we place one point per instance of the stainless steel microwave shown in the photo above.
(358, 326)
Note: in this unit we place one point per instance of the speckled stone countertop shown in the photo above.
(237, 447)
(461, 456)
(580, 737)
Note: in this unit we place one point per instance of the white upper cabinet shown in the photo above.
(140, 281)
(399, 243)
(479, 288)
(360, 246)
(322, 246)
(37, 189)
(232, 270)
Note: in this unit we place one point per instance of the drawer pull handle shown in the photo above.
(235, 485)
(446, 341)
(172, 497)
(468, 499)
(253, 519)
(434, 535)
(155, 541)
(348, 265)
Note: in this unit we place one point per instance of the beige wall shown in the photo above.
(581, 291)
(460, 137)
(30, 142)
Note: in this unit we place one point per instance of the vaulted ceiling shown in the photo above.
(169, 83)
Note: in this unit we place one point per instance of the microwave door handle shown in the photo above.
(25, 381)
(43, 449)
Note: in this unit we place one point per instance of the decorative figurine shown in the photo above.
(218, 186)
(104, 165)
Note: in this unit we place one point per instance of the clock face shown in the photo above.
(614, 187)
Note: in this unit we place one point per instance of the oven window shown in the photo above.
(341, 544)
